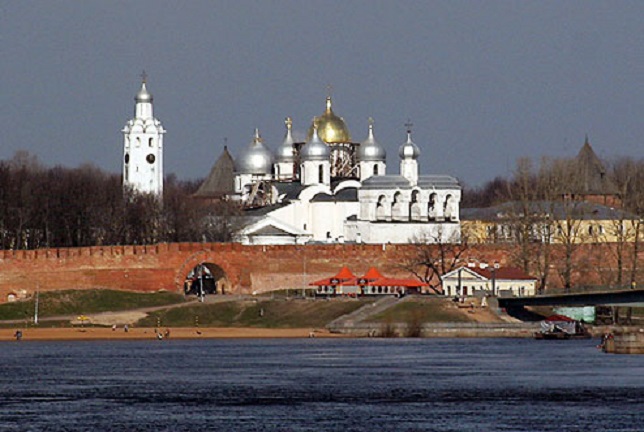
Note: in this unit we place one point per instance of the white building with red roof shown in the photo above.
(485, 280)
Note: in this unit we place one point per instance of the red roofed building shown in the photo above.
(478, 281)
(372, 283)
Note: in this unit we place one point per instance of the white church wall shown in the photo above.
(371, 168)
(290, 214)
(400, 233)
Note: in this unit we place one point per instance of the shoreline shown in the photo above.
(149, 333)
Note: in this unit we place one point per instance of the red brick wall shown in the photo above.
(165, 266)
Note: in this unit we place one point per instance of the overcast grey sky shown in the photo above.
(484, 82)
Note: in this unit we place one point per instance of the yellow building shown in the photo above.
(555, 222)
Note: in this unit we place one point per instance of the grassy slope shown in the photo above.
(433, 310)
(75, 302)
(276, 314)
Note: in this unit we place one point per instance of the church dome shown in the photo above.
(286, 152)
(256, 159)
(315, 149)
(143, 95)
(370, 150)
(409, 150)
(331, 128)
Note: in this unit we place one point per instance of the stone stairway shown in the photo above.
(361, 314)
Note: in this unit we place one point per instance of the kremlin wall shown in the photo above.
(244, 269)
(247, 269)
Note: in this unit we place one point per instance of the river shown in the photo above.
(319, 385)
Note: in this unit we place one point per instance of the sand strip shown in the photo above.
(53, 334)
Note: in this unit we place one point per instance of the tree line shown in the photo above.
(546, 225)
(44, 207)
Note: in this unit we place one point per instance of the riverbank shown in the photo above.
(142, 333)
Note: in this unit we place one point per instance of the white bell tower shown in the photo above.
(409, 153)
(143, 146)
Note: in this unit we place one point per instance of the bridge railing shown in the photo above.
(586, 289)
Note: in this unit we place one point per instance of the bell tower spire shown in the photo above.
(143, 146)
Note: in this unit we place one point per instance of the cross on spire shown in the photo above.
(144, 77)
(409, 125)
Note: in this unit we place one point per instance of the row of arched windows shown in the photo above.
(413, 210)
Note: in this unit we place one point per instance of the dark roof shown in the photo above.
(386, 182)
(347, 194)
(220, 181)
(262, 211)
(291, 190)
(591, 173)
(502, 273)
(557, 209)
(322, 197)
(438, 182)
(271, 230)
(344, 195)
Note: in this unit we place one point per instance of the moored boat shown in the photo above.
(559, 327)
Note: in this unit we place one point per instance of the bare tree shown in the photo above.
(434, 255)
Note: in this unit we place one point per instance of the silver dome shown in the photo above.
(409, 150)
(370, 150)
(286, 152)
(256, 159)
(143, 95)
(315, 149)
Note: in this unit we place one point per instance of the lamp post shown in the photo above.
(36, 305)
(303, 272)
(201, 293)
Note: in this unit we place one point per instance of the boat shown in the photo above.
(561, 327)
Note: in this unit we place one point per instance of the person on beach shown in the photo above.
(18, 335)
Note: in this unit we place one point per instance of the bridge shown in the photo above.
(579, 297)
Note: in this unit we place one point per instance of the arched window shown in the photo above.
(381, 208)
(447, 208)
(432, 207)
(414, 206)
(375, 170)
(151, 142)
(320, 174)
(397, 211)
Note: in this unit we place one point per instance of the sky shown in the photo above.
(483, 82)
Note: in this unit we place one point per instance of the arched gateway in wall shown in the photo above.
(202, 273)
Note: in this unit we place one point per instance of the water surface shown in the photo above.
(319, 385)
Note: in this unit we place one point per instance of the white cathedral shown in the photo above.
(327, 189)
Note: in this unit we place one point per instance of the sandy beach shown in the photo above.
(95, 333)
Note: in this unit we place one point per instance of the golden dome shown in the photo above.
(331, 128)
